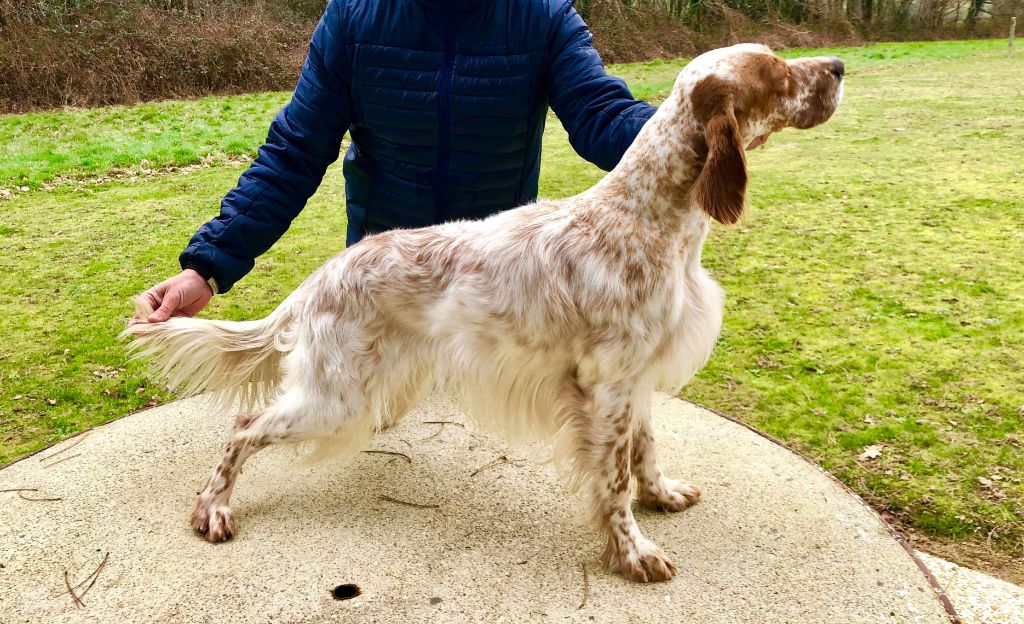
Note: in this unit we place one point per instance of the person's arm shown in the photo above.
(597, 110)
(304, 139)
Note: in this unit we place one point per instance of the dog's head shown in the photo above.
(740, 95)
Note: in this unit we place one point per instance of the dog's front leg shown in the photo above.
(654, 489)
(607, 449)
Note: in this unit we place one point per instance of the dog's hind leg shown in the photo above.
(381, 382)
(285, 420)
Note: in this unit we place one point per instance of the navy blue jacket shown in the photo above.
(445, 102)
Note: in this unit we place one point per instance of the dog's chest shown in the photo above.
(690, 326)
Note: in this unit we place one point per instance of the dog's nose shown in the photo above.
(837, 68)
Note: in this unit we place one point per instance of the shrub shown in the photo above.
(93, 52)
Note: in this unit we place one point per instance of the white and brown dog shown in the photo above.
(555, 320)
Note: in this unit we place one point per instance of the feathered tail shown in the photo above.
(240, 362)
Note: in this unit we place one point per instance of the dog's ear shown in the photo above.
(721, 186)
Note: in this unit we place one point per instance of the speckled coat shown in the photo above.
(556, 320)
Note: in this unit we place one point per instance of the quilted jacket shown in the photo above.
(445, 103)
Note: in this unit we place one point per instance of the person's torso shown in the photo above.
(448, 109)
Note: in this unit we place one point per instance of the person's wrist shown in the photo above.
(210, 282)
(205, 274)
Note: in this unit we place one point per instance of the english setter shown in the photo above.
(555, 320)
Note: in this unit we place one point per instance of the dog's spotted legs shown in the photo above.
(279, 423)
(628, 551)
(211, 516)
(653, 489)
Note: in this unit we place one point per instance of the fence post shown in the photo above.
(1013, 31)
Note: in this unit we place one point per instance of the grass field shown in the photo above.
(874, 297)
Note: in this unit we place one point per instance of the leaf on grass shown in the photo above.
(872, 452)
(107, 372)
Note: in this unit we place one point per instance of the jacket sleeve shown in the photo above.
(304, 139)
(597, 110)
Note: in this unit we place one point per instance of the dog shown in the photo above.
(555, 320)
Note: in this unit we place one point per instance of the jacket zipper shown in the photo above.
(444, 121)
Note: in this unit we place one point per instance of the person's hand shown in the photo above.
(185, 294)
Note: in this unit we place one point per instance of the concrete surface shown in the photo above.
(978, 598)
(773, 540)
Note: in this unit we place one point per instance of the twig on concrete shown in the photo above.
(21, 490)
(410, 504)
(586, 586)
(63, 459)
(435, 434)
(395, 453)
(23, 497)
(95, 574)
(80, 439)
(74, 597)
(501, 460)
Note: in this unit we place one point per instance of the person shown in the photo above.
(445, 102)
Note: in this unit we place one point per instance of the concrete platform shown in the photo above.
(978, 597)
(773, 540)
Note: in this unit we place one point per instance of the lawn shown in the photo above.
(875, 316)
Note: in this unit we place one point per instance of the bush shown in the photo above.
(91, 53)
(94, 52)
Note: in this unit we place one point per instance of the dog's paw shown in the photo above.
(643, 562)
(213, 522)
(670, 495)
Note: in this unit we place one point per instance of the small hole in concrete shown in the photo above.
(346, 591)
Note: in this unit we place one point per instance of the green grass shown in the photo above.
(873, 288)
(37, 147)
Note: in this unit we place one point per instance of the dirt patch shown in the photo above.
(135, 173)
(975, 554)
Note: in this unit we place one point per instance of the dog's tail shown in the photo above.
(239, 361)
